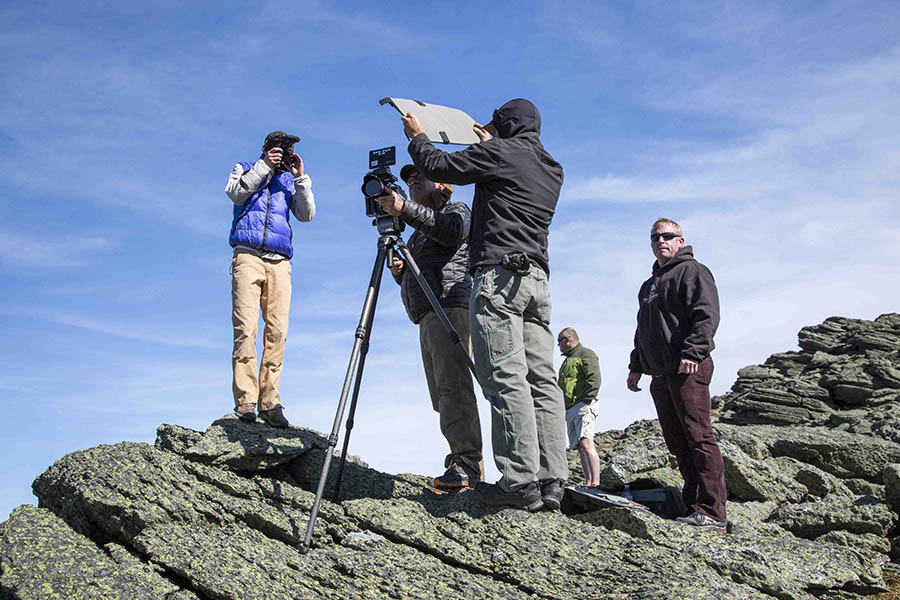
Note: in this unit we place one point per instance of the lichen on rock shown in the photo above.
(811, 441)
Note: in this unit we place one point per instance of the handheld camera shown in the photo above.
(378, 182)
(286, 143)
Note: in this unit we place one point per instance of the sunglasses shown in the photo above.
(666, 236)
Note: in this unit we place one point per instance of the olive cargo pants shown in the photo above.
(513, 345)
(450, 384)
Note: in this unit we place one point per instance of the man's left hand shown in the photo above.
(411, 125)
(482, 133)
(688, 367)
(392, 204)
(297, 170)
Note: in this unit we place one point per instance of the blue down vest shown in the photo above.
(262, 221)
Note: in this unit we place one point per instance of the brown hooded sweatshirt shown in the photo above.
(678, 314)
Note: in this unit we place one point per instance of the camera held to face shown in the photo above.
(286, 143)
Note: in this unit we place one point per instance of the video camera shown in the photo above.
(379, 181)
(286, 142)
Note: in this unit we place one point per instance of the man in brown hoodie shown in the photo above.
(678, 314)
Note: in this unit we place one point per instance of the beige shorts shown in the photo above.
(580, 422)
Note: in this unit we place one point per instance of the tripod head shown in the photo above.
(388, 225)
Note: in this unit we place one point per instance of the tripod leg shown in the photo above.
(361, 335)
(356, 384)
(432, 299)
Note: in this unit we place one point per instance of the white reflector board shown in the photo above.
(443, 125)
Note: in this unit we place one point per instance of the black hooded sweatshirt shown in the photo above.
(678, 314)
(517, 185)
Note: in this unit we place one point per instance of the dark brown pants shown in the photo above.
(683, 406)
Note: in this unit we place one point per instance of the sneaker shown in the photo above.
(552, 493)
(491, 494)
(706, 522)
(458, 475)
(274, 417)
(246, 412)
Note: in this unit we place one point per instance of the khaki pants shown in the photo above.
(513, 344)
(257, 283)
(450, 384)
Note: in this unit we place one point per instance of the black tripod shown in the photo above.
(390, 238)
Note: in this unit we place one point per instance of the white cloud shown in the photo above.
(798, 219)
(21, 251)
(128, 331)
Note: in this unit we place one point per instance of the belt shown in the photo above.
(517, 262)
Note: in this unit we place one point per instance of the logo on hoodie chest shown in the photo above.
(651, 295)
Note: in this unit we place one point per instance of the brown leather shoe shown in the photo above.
(246, 412)
(458, 475)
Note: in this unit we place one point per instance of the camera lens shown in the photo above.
(372, 187)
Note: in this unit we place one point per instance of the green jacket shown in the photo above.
(579, 376)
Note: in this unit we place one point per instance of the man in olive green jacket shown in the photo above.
(579, 378)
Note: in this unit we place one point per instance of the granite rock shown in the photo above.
(810, 439)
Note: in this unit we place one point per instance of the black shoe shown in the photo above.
(552, 493)
(274, 417)
(246, 413)
(458, 475)
(491, 494)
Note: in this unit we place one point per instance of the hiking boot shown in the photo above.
(491, 494)
(246, 412)
(458, 475)
(552, 493)
(706, 522)
(274, 417)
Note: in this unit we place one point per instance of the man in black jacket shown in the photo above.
(440, 247)
(517, 186)
(678, 314)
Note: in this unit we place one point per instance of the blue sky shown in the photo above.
(769, 130)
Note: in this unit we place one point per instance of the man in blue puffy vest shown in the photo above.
(264, 193)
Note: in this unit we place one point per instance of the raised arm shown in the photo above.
(475, 164)
(304, 203)
(242, 183)
(449, 227)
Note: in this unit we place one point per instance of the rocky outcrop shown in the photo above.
(222, 513)
(42, 557)
(844, 364)
(810, 439)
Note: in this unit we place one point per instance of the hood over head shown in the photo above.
(515, 118)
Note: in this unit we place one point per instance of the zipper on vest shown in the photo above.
(266, 224)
